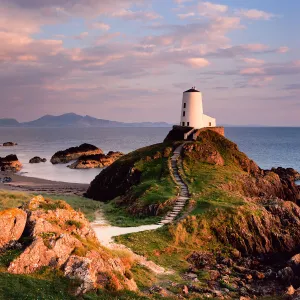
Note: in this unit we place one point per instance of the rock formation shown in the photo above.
(95, 161)
(12, 224)
(37, 160)
(61, 238)
(10, 163)
(119, 177)
(73, 153)
(9, 144)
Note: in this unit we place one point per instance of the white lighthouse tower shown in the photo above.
(192, 111)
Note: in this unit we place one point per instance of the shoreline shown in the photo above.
(37, 185)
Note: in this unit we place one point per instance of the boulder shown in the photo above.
(12, 224)
(40, 253)
(90, 270)
(73, 153)
(294, 263)
(286, 275)
(37, 160)
(5, 180)
(96, 161)
(9, 144)
(10, 163)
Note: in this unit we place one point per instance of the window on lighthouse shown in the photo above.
(184, 105)
(183, 114)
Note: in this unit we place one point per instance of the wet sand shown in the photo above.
(37, 185)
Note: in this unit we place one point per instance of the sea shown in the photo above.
(267, 146)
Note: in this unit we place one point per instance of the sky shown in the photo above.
(130, 60)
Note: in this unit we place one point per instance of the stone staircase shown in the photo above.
(184, 192)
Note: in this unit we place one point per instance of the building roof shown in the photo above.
(192, 90)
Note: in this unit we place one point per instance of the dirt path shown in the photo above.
(106, 232)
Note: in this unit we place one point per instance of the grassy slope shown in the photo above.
(156, 187)
(170, 245)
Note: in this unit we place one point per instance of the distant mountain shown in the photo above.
(74, 120)
(9, 123)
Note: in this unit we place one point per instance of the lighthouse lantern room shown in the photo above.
(192, 111)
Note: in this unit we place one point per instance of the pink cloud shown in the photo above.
(260, 81)
(283, 49)
(252, 71)
(255, 14)
(81, 36)
(208, 8)
(254, 61)
(101, 26)
(187, 15)
(197, 62)
(136, 15)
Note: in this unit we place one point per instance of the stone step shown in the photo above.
(164, 222)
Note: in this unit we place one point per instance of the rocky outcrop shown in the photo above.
(204, 152)
(118, 178)
(10, 163)
(62, 238)
(9, 144)
(12, 224)
(37, 160)
(73, 153)
(96, 161)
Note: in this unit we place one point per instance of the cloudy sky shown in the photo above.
(130, 60)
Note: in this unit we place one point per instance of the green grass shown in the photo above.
(124, 295)
(48, 286)
(206, 182)
(74, 223)
(8, 256)
(118, 216)
(9, 199)
(12, 199)
(158, 246)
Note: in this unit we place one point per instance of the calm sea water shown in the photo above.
(269, 147)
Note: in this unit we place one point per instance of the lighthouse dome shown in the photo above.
(192, 90)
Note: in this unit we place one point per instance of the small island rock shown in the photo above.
(37, 160)
(73, 153)
(10, 163)
(96, 161)
(9, 144)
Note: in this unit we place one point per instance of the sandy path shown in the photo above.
(105, 233)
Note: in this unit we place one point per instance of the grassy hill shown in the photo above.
(236, 210)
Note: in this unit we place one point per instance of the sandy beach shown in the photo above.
(37, 185)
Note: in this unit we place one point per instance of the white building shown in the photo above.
(192, 111)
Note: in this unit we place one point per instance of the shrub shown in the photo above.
(77, 224)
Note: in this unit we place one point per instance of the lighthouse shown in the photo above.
(192, 111)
